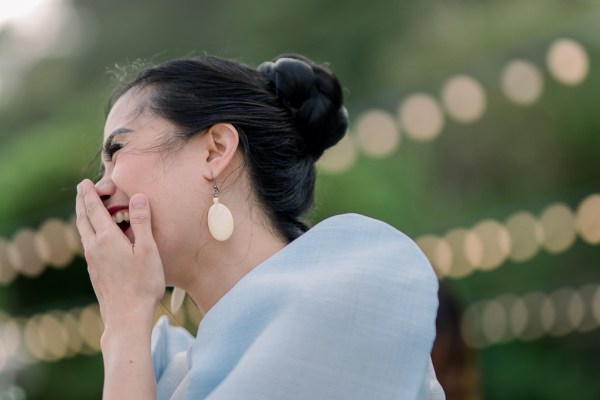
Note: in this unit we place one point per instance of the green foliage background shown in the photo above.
(514, 158)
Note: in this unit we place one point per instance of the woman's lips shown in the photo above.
(112, 210)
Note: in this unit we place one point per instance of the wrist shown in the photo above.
(122, 336)
(128, 312)
(123, 327)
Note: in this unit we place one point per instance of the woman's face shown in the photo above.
(171, 179)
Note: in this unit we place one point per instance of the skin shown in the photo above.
(169, 243)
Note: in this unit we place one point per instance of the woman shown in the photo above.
(208, 166)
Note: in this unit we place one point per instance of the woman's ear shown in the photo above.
(221, 141)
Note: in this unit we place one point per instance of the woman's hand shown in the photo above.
(127, 277)
(129, 281)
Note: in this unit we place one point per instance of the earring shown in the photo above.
(177, 298)
(220, 220)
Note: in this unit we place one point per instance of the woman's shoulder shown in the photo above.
(354, 242)
(352, 262)
(344, 260)
(348, 254)
(361, 233)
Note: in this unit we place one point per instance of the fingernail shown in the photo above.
(138, 201)
(78, 187)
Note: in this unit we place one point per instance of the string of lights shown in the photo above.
(455, 254)
(54, 244)
(532, 315)
(421, 116)
(490, 243)
(60, 334)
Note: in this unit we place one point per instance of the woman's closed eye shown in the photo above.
(110, 148)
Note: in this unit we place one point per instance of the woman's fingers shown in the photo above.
(95, 211)
(83, 223)
(139, 219)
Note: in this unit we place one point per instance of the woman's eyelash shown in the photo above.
(110, 149)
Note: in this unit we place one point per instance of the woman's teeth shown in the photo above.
(120, 217)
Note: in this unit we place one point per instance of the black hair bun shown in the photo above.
(313, 96)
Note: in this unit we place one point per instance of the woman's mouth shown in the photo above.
(121, 218)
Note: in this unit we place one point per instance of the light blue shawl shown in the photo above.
(346, 311)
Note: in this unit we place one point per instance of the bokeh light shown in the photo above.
(377, 133)
(467, 251)
(73, 239)
(588, 323)
(518, 317)
(588, 219)
(54, 336)
(558, 223)
(53, 236)
(494, 321)
(71, 326)
(11, 335)
(421, 117)
(7, 272)
(496, 243)
(547, 314)
(576, 311)
(568, 61)
(22, 254)
(563, 321)
(91, 327)
(340, 157)
(33, 340)
(526, 236)
(537, 322)
(439, 253)
(522, 82)
(464, 99)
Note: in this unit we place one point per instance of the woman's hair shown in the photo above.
(452, 359)
(287, 113)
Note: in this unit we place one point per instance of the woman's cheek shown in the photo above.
(125, 173)
(117, 174)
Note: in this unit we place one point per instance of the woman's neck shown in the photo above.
(221, 265)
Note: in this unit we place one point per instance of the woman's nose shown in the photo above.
(105, 188)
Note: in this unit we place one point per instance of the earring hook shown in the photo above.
(214, 185)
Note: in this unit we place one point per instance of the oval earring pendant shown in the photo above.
(220, 221)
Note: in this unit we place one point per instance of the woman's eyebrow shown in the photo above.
(118, 131)
(110, 139)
